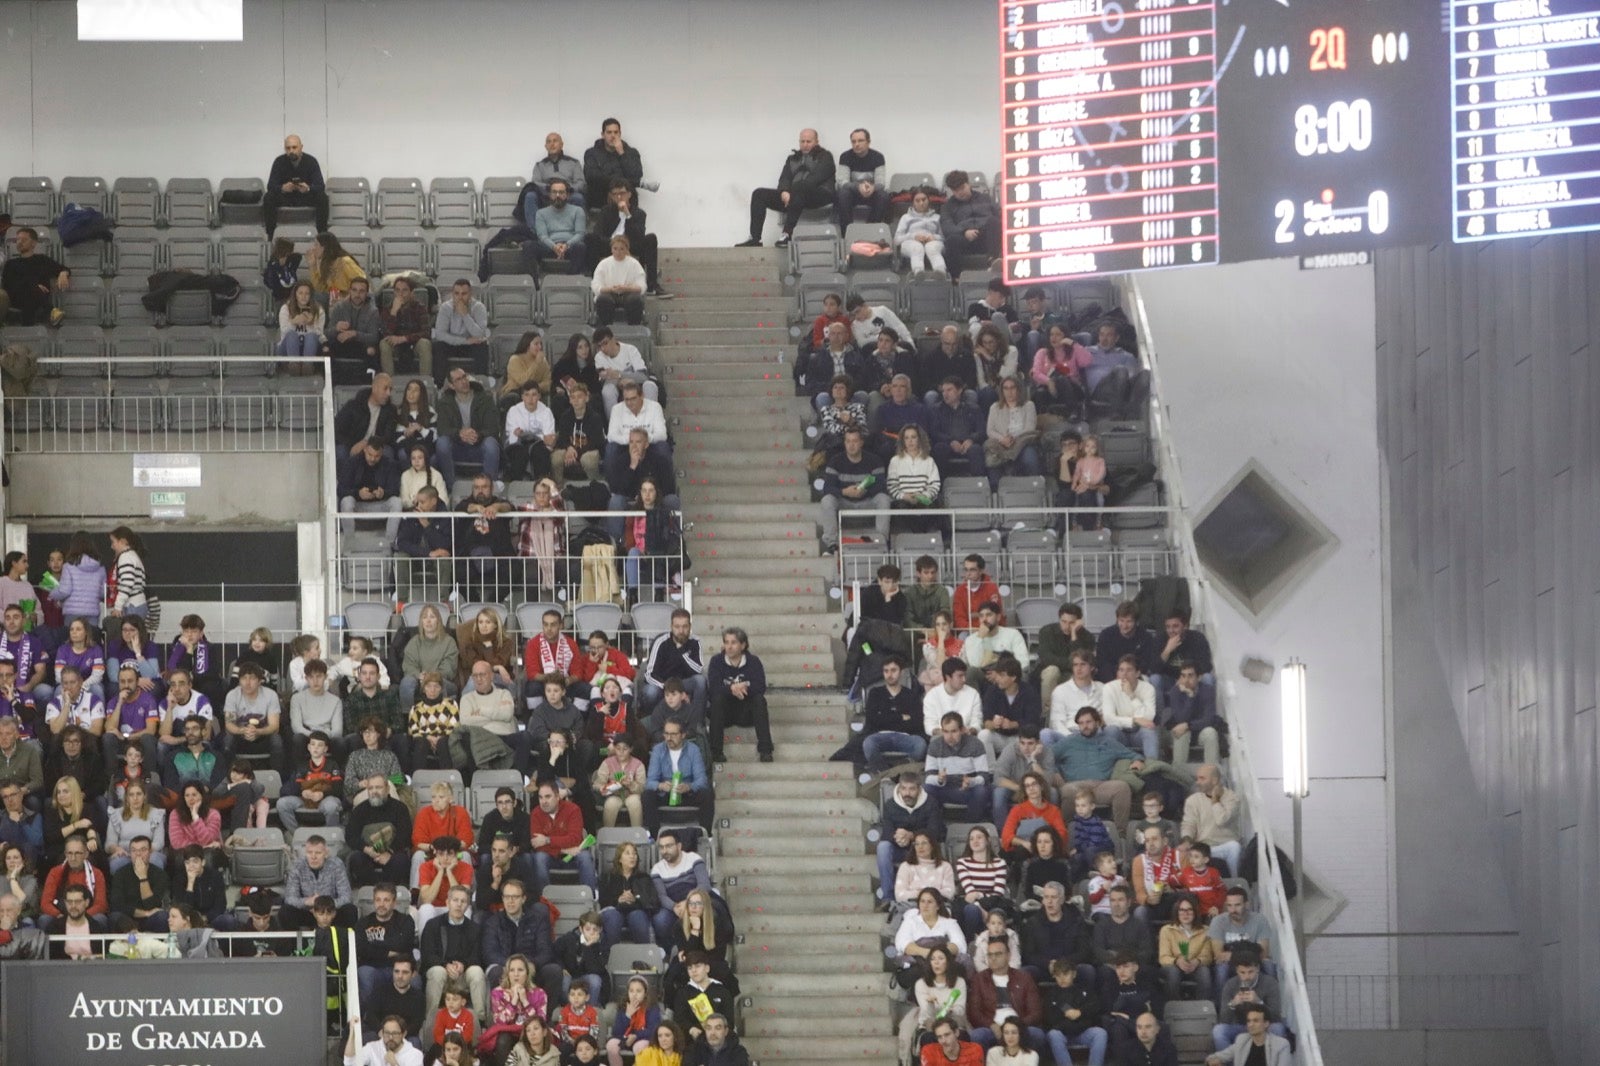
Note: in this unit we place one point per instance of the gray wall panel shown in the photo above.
(1487, 410)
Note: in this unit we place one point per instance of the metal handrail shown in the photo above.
(1273, 899)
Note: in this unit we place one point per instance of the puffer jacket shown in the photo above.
(82, 590)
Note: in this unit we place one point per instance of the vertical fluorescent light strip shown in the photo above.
(1296, 775)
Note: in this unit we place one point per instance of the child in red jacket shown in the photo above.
(1200, 880)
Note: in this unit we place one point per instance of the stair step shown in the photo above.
(689, 371)
(776, 409)
(793, 866)
(811, 826)
(795, 491)
(758, 847)
(818, 568)
(810, 943)
(775, 788)
(756, 511)
(736, 388)
(771, 259)
(738, 752)
(809, 905)
(788, 807)
(761, 985)
(769, 922)
(776, 964)
(749, 530)
(820, 1004)
(777, 585)
(768, 338)
(791, 1026)
(764, 315)
(730, 289)
(794, 733)
(823, 1050)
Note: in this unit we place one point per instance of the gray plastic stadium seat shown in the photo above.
(192, 405)
(299, 401)
(135, 354)
(588, 617)
(360, 244)
(137, 406)
(1150, 494)
(512, 298)
(930, 297)
(79, 342)
(530, 615)
(503, 343)
(813, 286)
(368, 618)
(242, 251)
(468, 611)
(189, 307)
(84, 302)
(248, 342)
(254, 307)
(32, 201)
(640, 337)
(79, 404)
(137, 251)
(87, 192)
(1021, 499)
(136, 202)
(909, 180)
(189, 251)
(191, 203)
(456, 255)
(399, 202)
(89, 259)
(248, 404)
(1033, 560)
(878, 287)
(872, 232)
(453, 202)
(565, 296)
(973, 494)
(246, 214)
(815, 246)
(407, 250)
(1091, 562)
(181, 344)
(500, 199)
(125, 302)
(349, 204)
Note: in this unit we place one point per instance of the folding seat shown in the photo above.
(188, 307)
(89, 259)
(500, 199)
(191, 405)
(188, 352)
(136, 202)
(125, 302)
(248, 404)
(135, 354)
(349, 204)
(1022, 500)
(1145, 553)
(973, 287)
(407, 250)
(815, 246)
(299, 401)
(985, 542)
(86, 344)
(192, 252)
(606, 617)
(254, 307)
(239, 202)
(79, 404)
(456, 255)
(972, 494)
(32, 201)
(137, 406)
(813, 286)
(1091, 561)
(1099, 612)
(1033, 560)
(191, 203)
(453, 202)
(910, 180)
(137, 252)
(565, 296)
(242, 252)
(399, 202)
(503, 342)
(1124, 444)
(876, 234)
(930, 298)
(84, 302)
(512, 298)
(254, 343)
(1152, 494)
(87, 192)
(878, 287)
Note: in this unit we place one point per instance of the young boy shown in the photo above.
(928, 596)
(702, 997)
(1072, 1013)
(1086, 834)
(1132, 995)
(1200, 880)
(577, 1018)
(330, 943)
(582, 954)
(1153, 816)
(1105, 877)
(452, 1017)
(318, 786)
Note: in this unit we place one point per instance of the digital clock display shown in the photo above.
(1141, 134)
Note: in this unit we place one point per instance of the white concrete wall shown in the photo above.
(712, 92)
(1264, 362)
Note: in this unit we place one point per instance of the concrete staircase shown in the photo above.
(791, 831)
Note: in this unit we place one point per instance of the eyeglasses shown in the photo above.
(672, 733)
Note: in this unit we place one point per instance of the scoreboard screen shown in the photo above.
(1141, 134)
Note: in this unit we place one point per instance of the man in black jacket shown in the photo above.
(909, 811)
(610, 160)
(970, 221)
(429, 542)
(295, 181)
(893, 725)
(382, 937)
(379, 829)
(1125, 637)
(806, 181)
(517, 929)
(622, 217)
(371, 485)
(718, 1045)
(452, 950)
(367, 414)
(1120, 933)
(1053, 932)
(401, 996)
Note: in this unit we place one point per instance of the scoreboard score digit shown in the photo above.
(1110, 136)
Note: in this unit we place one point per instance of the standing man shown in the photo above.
(295, 181)
(867, 174)
(26, 280)
(738, 686)
(806, 181)
(610, 160)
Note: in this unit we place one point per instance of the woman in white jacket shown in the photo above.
(918, 235)
(925, 868)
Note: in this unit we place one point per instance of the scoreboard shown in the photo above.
(1141, 134)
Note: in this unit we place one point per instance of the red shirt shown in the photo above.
(1205, 885)
(463, 1023)
(969, 1055)
(570, 1024)
(541, 657)
(430, 870)
(431, 825)
(617, 665)
(564, 828)
(965, 602)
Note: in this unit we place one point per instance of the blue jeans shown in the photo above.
(298, 343)
(592, 980)
(976, 797)
(1093, 1038)
(889, 856)
(636, 921)
(1223, 1034)
(485, 452)
(908, 747)
(1145, 739)
(583, 863)
(650, 693)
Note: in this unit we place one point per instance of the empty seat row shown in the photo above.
(193, 202)
(184, 404)
(183, 351)
(930, 297)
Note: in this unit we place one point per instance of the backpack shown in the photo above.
(78, 224)
(599, 584)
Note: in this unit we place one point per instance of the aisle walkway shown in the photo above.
(796, 876)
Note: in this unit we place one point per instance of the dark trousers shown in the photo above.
(607, 308)
(646, 249)
(988, 243)
(354, 348)
(845, 201)
(364, 872)
(526, 460)
(802, 195)
(725, 711)
(655, 804)
(275, 199)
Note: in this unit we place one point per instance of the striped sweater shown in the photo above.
(130, 581)
(918, 476)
